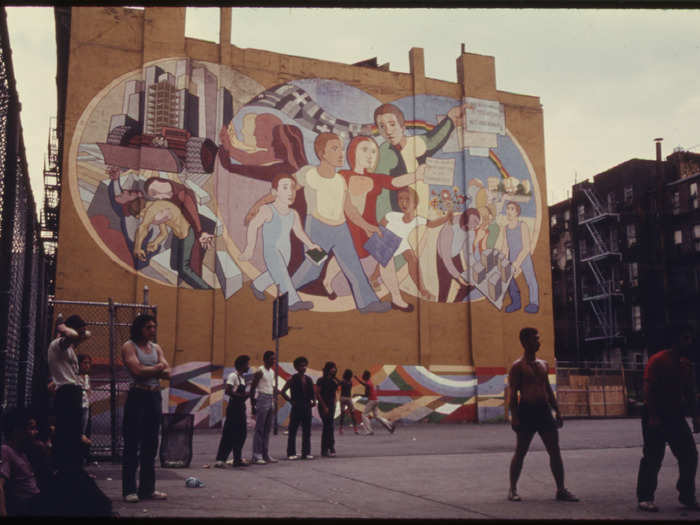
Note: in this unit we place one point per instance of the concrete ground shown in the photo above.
(421, 471)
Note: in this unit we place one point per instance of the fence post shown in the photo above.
(112, 380)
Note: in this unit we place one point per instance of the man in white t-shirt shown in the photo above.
(264, 384)
(63, 367)
(328, 203)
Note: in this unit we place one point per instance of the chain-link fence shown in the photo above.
(109, 324)
(23, 271)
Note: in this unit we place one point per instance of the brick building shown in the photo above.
(626, 259)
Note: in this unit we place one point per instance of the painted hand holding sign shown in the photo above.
(198, 177)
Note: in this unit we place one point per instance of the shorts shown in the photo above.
(535, 418)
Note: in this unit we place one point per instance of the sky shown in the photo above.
(610, 81)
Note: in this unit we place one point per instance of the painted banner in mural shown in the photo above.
(195, 175)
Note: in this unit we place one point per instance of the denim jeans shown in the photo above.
(142, 415)
(263, 425)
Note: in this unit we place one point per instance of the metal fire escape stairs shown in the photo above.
(606, 291)
(52, 197)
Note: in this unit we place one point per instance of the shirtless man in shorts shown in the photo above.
(531, 413)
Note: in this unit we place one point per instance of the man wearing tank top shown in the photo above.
(146, 363)
(263, 383)
(277, 221)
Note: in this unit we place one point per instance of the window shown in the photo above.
(611, 202)
(553, 220)
(567, 215)
(678, 237)
(636, 318)
(633, 271)
(676, 203)
(581, 213)
(629, 194)
(696, 235)
(631, 235)
(694, 195)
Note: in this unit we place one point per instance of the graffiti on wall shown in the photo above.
(195, 175)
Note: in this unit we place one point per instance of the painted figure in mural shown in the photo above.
(372, 405)
(256, 143)
(455, 238)
(403, 224)
(264, 384)
(64, 370)
(234, 432)
(326, 385)
(146, 364)
(326, 193)
(530, 404)
(287, 146)
(303, 400)
(346, 405)
(669, 388)
(516, 245)
(401, 154)
(488, 231)
(364, 186)
(277, 221)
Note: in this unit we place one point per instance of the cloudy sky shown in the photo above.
(610, 81)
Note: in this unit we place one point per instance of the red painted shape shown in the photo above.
(465, 413)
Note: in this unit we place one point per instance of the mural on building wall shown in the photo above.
(197, 176)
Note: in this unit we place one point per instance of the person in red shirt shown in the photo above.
(372, 405)
(668, 383)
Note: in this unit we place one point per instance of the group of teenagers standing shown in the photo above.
(301, 393)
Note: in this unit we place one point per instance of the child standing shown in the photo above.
(371, 406)
(326, 386)
(234, 433)
(346, 406)
(84, 364)
(303, 400)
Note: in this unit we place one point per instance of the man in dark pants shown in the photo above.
(303, 400)
(235, 430)
(325, 392)
(63, 366)
(668, 382)
(143, 410)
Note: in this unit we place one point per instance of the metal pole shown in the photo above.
(112, 381)
(277, 360)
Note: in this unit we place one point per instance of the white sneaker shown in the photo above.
(270, 459)
(131, 498)
(259, 461)
(158, 495)
(293, 458)
(219, 464)
(229, 461)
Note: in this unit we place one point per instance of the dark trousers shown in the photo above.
(142, 415)
(676, 432)
(68, 449)
(234, 433)
(327, 437)
(299, 416)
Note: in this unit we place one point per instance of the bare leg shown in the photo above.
(516, 464)
(414, 272)
(391, 281)
(331, 271)
(551, 442)
(374, 278)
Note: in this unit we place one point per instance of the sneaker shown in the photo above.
(301, 305)
(513, 495)
(565, 495)
(293, 457)
(219, 464)
(270, 459)
(392, 429)
(325, 454)
(131, 498)
(308, 456)
(157, 495)
(332, 453)
(229, 461)
(259, 461)
(241, 463)
(648, 506)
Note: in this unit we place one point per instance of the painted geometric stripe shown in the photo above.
(494, 385)
(439, 384)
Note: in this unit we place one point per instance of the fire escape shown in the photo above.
(52, 197)
(605, 293)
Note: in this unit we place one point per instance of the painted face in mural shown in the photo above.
(512, 212)
(285, 191)
(473, 222)
(333, 153)
(407, 201)
(390, 128)
(366, 156)
(160, 190)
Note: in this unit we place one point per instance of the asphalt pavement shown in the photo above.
(421, 471)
